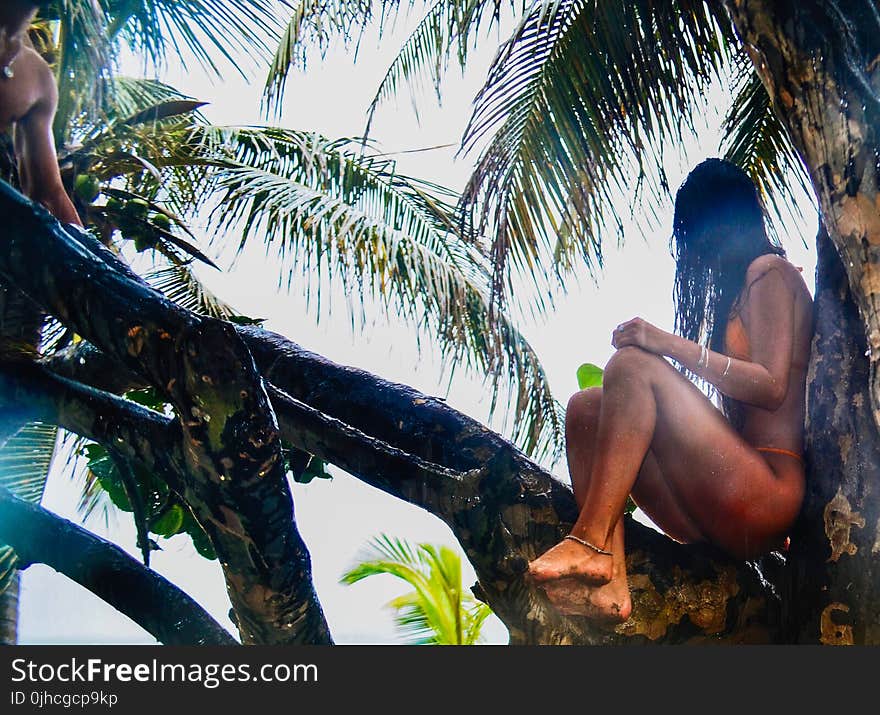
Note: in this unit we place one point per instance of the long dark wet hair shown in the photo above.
(718, 229)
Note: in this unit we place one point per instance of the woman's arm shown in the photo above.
(762, 381)
(38, 162)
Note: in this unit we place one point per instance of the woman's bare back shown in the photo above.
(782, 427)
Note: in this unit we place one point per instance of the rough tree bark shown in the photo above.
(820, 62)
(831, 587)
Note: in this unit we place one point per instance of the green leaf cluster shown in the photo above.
(165, 514)
(302, 466)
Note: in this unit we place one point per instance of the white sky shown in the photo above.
(337, 518)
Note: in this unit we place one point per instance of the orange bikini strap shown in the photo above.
(777, 450)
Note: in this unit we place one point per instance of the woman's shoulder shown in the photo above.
(768, 262)
(770, 266)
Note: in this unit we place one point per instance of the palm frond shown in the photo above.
(91, 33)
(475, 616)
(123, 97)
(449, 30)
(25, 460)
(181, 285)
(334, 211)
(201, 29)
(576, 108)
(129, 95)
(162, 159)
(436, 612)
(9, 565)
(312, 24)
(83, 57)
(756, 140)
(24, 466)
(413, 621)
(133, 112)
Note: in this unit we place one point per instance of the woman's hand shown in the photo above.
(642, 334)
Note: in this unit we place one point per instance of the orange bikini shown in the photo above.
(737, 342)
(778, 450)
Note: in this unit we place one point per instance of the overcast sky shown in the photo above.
(337, 517)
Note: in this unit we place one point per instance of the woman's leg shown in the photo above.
(609, 601)
(659, 437)
(581, 428)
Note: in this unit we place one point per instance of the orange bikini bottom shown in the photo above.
(777, 450)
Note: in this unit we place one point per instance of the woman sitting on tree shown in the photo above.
(734, 478)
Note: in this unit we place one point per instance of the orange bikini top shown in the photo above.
(736, 340)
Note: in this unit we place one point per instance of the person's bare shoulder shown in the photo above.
(768, 264)
(36, 72)
(764, 263)
(771, 266)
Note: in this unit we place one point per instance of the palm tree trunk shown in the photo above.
(831, 590)
(818, 60)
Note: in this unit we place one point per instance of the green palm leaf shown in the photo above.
(576, 108)
(436, 612)
(181, 285)
(25, 460)
(82, 54)
(449, 29)
(201, 29)
(24, 465)
(335, 212)
(91, 34)
(129, 95)
(312, 24)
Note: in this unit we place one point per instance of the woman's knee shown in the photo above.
(629, 362)
(583, 408)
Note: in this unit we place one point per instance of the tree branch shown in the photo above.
(133, 431)
(155, 604)
(503, 508)
(84, 363)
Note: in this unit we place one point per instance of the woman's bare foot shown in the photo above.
(569, 559)
(610, 603)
